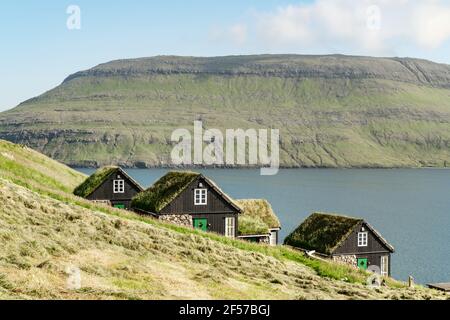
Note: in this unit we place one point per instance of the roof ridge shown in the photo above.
(323, 232)
(380, 237)
(334, 214)
(346, 235)
(109, 170)
(229, 199)
(137, 184)
(165, 190)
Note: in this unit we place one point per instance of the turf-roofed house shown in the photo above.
(190, 199)
(258, 222)
(344, 239)
(109, 185)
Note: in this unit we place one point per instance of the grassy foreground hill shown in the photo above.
(333, 111)
(46, 232)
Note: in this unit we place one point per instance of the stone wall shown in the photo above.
(184, 220)
(347, 259)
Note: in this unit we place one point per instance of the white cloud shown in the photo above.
(371, 26)
(432, 27)
(236, 34)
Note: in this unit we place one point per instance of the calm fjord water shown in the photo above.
(410, 208)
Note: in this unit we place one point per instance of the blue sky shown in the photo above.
(37, 50)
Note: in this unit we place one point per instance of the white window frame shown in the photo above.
(230, 227)
(363, 239)
(200, 197)
(384, 266)
(119, 186)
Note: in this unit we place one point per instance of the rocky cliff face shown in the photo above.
(333, 111)
(290, 66)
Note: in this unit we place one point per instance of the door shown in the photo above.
(273, 237)
(119, 206)
(201, 224)
(362, 263)
(230, 227)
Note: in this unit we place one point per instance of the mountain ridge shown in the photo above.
(332, 111)
(238, 65)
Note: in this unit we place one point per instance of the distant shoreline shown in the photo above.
(257, 168)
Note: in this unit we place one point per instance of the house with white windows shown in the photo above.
(344, 239)
(185, 198)
(192, 200)
(109, 185)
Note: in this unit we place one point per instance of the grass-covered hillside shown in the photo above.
(32, 169)
(333, 111)
(46, 233)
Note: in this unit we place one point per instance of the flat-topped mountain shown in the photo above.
(332, 111)
(289, 66)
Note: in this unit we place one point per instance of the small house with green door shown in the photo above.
(258, 222)
(344, 239)
(109, 185)
(190, 199)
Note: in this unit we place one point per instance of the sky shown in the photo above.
(42, 42)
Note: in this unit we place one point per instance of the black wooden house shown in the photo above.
(109, 185)
(190, 199)
(344, 239)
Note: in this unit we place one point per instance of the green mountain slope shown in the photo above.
(333, 111)
(46, 234)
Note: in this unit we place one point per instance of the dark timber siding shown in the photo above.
(373, 252)
(350, 246)
(216, 222)
(184, 203)
(106, 192)
(216, 210)
(374, 259)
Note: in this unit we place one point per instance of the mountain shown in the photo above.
(48, 234)
(332, 111)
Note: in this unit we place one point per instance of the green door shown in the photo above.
(362, 263)
(201, 224)
(119, 206)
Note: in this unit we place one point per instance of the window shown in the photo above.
(362, 239)
(200, 197)
(385, 266)
(119, 186)
(230, 227)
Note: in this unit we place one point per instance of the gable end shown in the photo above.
(217, 201)
(375, 243)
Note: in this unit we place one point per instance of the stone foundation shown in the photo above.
(184, 220)
(346, 259)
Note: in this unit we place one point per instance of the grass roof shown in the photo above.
(94, 181)
(322, 232)
(251, 226)
(257, 217)
(164, 191)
